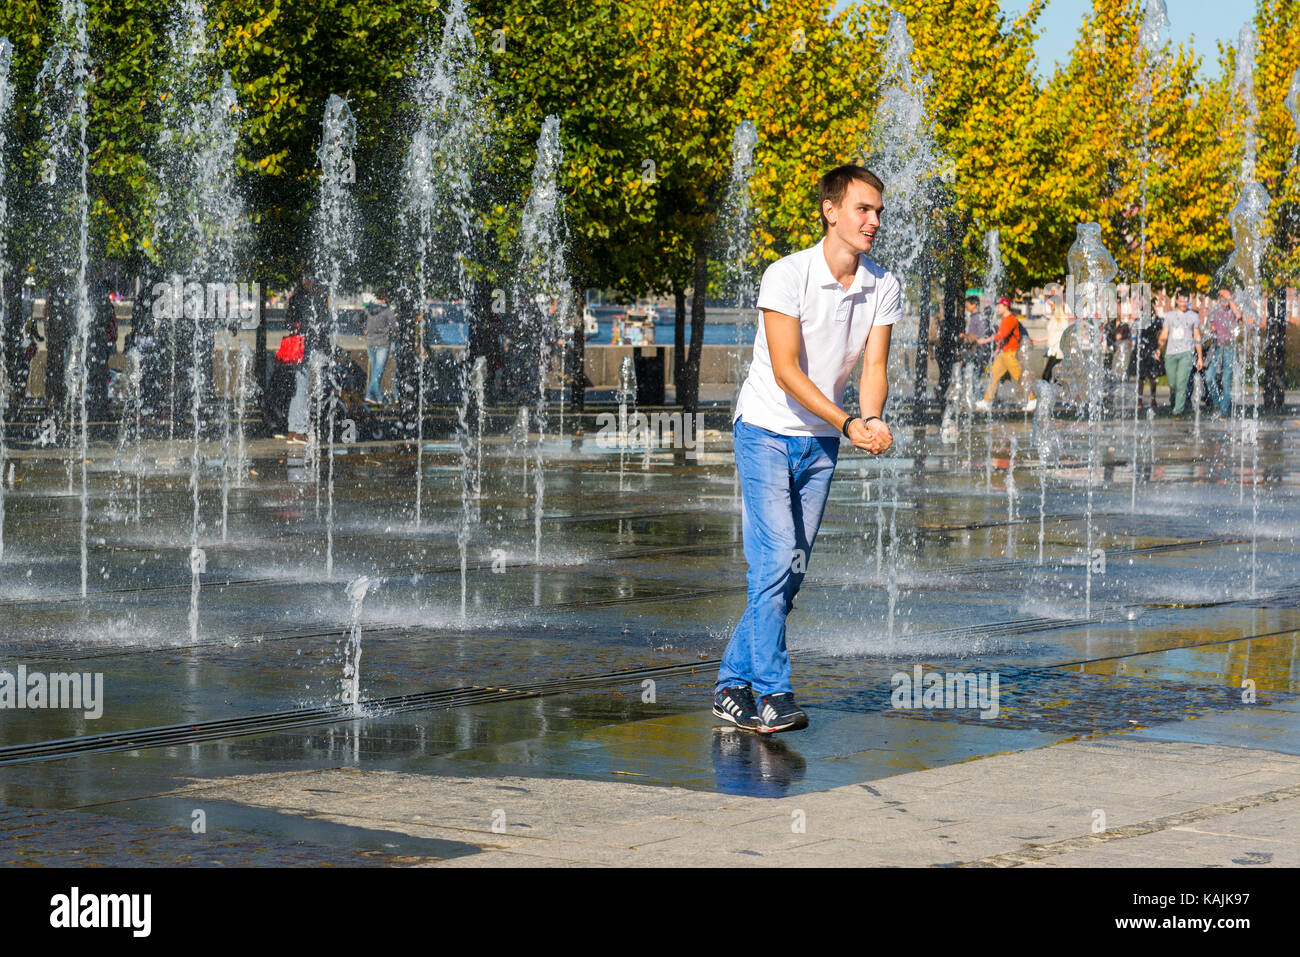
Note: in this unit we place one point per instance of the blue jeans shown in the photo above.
(784, 481)
(378, 359)
(1219, 374)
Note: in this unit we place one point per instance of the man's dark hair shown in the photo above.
(973, 300)
(834, 184)
(1179, 292)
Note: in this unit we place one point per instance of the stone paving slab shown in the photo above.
(1166, 803)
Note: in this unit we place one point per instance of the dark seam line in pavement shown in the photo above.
(442, 700)
(1003, 522)
(1157, 651)
(1042, 851)
(446, 699)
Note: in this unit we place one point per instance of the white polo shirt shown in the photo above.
(834, 322)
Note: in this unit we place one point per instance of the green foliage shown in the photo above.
(648, 93)
(1277, 24)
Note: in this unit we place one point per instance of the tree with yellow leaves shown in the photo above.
(1277, 91)
(1277, 62)
(1095, 109)
(986, 108)
(808, 91)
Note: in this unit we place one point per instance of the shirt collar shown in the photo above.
(862, 280)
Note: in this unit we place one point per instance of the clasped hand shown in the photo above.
(873, 436)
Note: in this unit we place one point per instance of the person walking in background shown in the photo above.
(1201, 306)
(1007, 342)
(1223, 329)
(1148, 356)
(1122, 357)
(379, 328)
(1058, 320)
(307, 307)
(1179, 337)
(977, 327)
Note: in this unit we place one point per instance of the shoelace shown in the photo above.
(738, 695)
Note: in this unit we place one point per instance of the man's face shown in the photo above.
(1182, 302)
(857, 218)
(972, 307)
(1225, 297)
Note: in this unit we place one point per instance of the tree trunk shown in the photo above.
(479, 338)
(259, 345)
(406, 358)
(1274, 384)
(56, 343)
(97, 350)
(679, 336)
(922, 339)
(954, 297)
(689, 387)
(578, 374)
(12, 340)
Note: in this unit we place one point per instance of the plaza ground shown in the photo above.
(1147, 712)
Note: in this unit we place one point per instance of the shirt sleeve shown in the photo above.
(779, 291)
(890, 307)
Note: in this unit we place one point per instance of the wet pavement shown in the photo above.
(1157, 606)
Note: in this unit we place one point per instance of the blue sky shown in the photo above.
(1204, 21)
(1201, 21)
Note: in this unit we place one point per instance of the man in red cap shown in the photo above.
(1005, 363)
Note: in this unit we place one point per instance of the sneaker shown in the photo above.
(983, 406)
(779, 713)
(737, 706)
(1031, 405)
(297, 438)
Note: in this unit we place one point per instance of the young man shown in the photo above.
(976, 329)
(1224, 330)
(821, 308)
(1181, 333)
(1007, 340)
